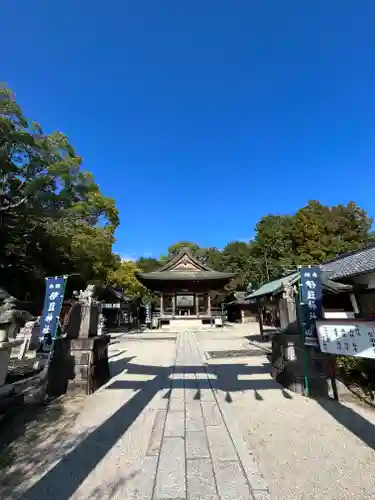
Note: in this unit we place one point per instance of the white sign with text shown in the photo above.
(347, 337)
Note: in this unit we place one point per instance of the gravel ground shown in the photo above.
(306, 449)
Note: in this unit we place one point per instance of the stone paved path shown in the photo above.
(199, 456)
(159, 430)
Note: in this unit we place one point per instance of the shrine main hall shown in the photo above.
(183, 286)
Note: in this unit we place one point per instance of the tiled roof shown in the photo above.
(197, 271)
(272, 287)
(351, 264)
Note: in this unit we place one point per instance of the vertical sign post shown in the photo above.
(54, 296)
(311, 309)
(148, 315)
(311, 306)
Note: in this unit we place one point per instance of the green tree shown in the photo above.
(212, 257)
(322, 232)
(272, 247)
(314, 234)
(53, 217)
(236, 259)
(124, 275)
(148, 264)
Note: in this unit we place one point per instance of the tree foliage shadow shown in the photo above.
(38, 434)
(65, 478)
(351, 420)
(71, 471)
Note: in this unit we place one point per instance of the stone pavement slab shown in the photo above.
(175, 424)
(231, 481)
(157, 433)
(171, 473)
(158, 430)
(196, 444)
(201, 483)
(221, 444)
(211, 413)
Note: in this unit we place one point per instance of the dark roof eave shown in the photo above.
(183, 277)
(345, 276)
(337, 287)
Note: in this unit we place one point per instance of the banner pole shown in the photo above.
(302, 330)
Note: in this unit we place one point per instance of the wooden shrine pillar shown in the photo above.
(161, 304)
(196, 304)
(260, 320)
(208, 304)
(173, 305)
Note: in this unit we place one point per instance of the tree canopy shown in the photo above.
(123, 275)
(53, 218)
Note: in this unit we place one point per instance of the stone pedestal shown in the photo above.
(4, 362)
(78, 366)
(289, 358)
(79, 362)
(5, 351)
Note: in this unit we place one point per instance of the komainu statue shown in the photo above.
(12, 316)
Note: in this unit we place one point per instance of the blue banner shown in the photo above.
(311, 302)
(53, 300)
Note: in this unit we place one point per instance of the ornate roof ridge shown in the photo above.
(184, 251)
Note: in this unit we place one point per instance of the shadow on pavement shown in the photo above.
(115, 354)
(64, 479)
(117, 365)
(351, 420)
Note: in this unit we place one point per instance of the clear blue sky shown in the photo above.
(201, 116)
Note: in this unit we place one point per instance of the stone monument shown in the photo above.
(80, 359)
